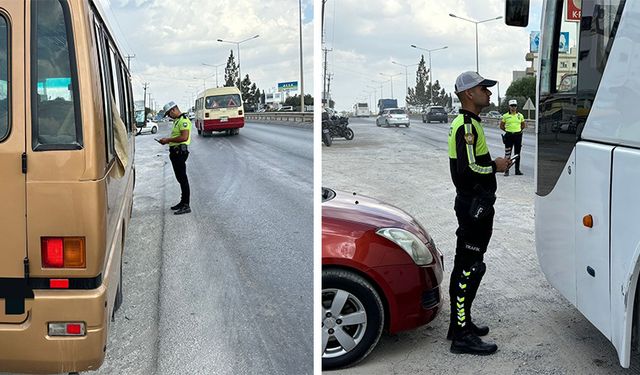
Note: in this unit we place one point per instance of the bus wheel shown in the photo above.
(119, 297)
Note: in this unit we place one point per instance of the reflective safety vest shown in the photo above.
(512, 123)
(179, 124)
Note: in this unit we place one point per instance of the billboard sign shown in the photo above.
(534, 42)
(287, 86)
(574, 13)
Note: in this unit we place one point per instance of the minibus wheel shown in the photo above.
(119, 297)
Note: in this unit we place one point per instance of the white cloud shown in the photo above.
(172, 38)
(367, 36)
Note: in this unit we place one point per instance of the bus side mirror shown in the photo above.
(517, 13)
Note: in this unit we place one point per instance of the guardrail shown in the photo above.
(299, 117)
(488, 121)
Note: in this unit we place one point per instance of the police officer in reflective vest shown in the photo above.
(178, 153)
(473, 174)
(513, 123)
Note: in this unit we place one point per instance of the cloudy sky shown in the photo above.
(367, 36)
(172, 38)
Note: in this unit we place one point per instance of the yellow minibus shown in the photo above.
(67, 177)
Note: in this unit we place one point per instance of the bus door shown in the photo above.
(13, 223)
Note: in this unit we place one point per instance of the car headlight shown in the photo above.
(410, 243)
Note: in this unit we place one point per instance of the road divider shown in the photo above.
(487, 121)
(299, 119)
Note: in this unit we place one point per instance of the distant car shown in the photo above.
(393, 116)
(286, 108)
(494, 114)
(150, 126)
(435, 113)
(380, 271)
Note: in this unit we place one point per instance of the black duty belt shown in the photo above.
(179, 148)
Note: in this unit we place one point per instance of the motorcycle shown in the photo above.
(326, 133)
(339, 128)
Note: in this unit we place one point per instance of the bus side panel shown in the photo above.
(555, 243)
(593, 183)
(625, 247)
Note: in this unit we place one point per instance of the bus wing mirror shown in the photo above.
(517, 13)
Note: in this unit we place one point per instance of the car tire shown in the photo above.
(154, 130)
(377, 124)
(407, 125)
(360, 298)
(423, 120)
(386, 124)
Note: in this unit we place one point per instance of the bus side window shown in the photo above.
(55, 104)
(4, 73)
(106, 100)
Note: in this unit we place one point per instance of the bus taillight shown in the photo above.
(240, 112)
(66, 329)
(63, 252)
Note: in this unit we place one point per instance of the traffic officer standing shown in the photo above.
(513, 123)
(473, 174)
(178, 153)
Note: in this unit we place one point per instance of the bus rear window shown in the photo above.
(222, 101)
(4, 73)
(55, 112)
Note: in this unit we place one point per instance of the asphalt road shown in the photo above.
(228, 288)
(536, 329)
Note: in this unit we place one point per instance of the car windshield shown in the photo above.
(397, 112)
(437, 110)
(222, 101)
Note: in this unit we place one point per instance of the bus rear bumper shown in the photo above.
(217, 125)
(27, 348)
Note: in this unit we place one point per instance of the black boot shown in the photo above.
(184, 209)
(518, 173)
(462, 291)
(177, 206)
(469, 343)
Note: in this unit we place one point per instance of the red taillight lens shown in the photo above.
(52, 252)
(240, 112)
(59, 283)
(63, 252)
(74, 329)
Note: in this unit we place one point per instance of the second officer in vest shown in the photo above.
(513, 124)
(178, 153)
(473, 174)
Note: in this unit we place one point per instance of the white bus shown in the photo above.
(361, 110)
(588, 153)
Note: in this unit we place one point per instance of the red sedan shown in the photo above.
(380, 271)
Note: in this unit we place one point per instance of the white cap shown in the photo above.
(469, 80)
(513, 102)
(167, 107)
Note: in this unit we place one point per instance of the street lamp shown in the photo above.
(238, 47)
(475, 22)
(406, 78)
(391, 78)
(430, 71)
(214, 66)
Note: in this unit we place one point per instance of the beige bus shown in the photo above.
(66, 182)
(219, 109)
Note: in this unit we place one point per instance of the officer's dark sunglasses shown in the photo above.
(513, 105)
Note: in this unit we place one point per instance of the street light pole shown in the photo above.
(476, 22)
(430, 71)
(238, 48)
(391, 78)
(214, 66)
(301, 71)
(406, 78)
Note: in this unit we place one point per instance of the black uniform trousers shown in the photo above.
(514, 140)
(178, 156)
(473, 236)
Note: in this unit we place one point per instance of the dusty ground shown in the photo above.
(536, 329)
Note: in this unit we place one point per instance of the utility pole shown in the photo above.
(129, 57)
(328, 88)
(324, 79)
(144, 101)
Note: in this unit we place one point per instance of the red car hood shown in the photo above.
(368, 212)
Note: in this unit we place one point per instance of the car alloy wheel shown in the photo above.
(352, 318)
(154, 130)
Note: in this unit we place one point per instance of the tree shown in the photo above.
(250, 94)
(525, 87)
(419, 95)
(231, 72)
(294, 101)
